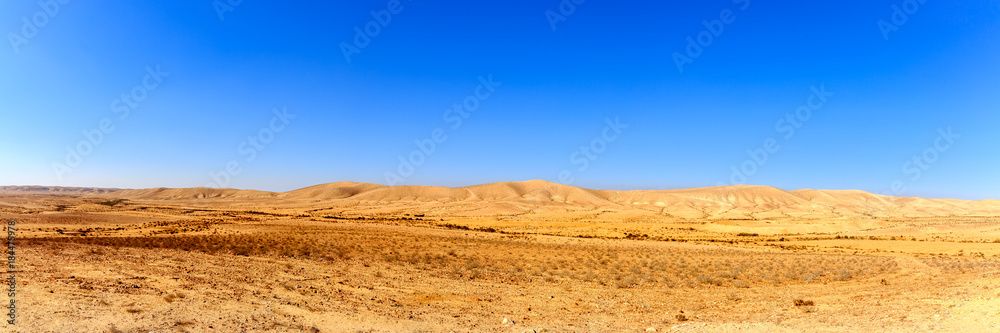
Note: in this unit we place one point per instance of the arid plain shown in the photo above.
(528, 256)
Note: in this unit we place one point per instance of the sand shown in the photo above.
(508, 257)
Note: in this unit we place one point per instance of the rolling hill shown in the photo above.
(539, 196)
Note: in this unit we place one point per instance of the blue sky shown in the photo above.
(555, 90)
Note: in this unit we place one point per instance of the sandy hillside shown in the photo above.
(538, 196)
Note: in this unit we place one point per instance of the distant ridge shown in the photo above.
(539, 196)
(37, 189)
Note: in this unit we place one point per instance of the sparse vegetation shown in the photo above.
(376, 263)
(170, 298)
(475, 258)
(962, 265)
(112, 203)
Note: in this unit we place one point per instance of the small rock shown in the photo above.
(508, 321)
(650, 329)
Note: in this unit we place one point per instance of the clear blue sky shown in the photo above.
(557, 89)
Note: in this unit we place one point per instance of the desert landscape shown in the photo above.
(513, 166)
(531, 256)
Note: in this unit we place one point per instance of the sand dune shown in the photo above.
(539, 196)
(338, 190)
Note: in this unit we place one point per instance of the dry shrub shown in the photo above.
(170, 298)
